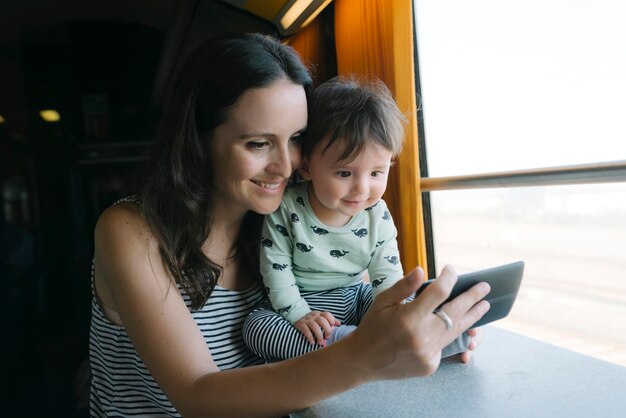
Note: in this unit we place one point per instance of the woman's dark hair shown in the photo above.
(176, 190)
(356, 111)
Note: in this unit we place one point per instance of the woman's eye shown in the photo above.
(343, 174)
(257, 145)
(295, 139)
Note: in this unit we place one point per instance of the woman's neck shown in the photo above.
(223, 235)
(219, 248)
(220, 245)
(226, 217)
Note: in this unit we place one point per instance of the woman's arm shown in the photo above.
(398, 340)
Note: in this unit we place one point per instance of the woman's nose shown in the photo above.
(283, 161)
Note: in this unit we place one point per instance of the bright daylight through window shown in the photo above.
(513, 85)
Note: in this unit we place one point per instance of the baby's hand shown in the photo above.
(316, 326)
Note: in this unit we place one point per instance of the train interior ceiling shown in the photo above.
(101, 70)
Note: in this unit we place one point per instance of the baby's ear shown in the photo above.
(305, 169)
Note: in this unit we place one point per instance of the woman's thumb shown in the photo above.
(404, 288)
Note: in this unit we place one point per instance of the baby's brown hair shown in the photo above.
(355, 111)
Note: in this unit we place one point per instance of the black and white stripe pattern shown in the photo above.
(272, 337)
(122, 386)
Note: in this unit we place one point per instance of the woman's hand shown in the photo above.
(399, 340)
(316, 326)
(476, 336)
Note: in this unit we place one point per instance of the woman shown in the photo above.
(176, 268)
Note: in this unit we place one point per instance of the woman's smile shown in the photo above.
(272, 186)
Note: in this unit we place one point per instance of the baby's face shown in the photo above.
(342, 189)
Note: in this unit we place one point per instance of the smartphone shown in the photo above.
(505, 282)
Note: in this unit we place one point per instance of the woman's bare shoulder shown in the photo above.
(124, 220)
(123, 237)
(127, 258)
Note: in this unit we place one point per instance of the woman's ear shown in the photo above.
(305, 169)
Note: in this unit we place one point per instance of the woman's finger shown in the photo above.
(466, 300)
(472, 333)
(437, 292)
(404, 288)
(473, 314)
(476, 336)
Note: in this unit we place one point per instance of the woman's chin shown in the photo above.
(266, 208)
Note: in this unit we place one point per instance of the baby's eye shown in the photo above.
(256, 145)
(343, 173)
(377, 173)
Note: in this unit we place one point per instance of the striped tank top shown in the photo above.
(121, 385)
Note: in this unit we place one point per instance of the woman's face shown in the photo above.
(257, 148)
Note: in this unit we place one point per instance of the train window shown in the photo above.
(522, 85)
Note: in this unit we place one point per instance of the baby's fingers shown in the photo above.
(304, 329)
(325, 326)
(334, 322)
(318, 332)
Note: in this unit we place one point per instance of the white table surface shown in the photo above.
(510, 375)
